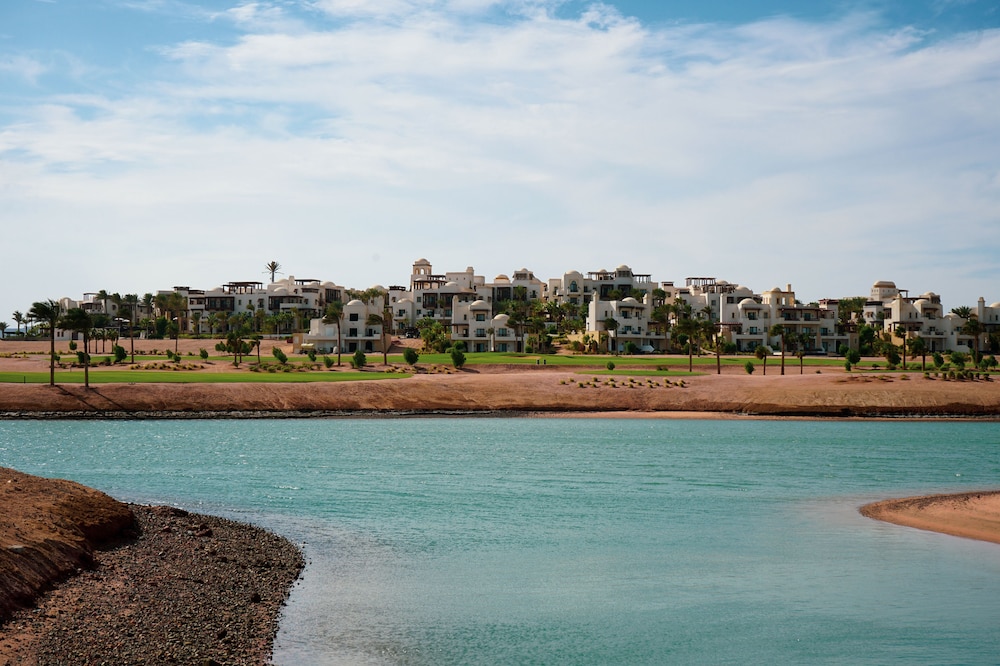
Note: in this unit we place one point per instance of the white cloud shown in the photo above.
(828, 155)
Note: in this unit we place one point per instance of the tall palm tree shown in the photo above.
(380, 321)
(712, 332)
(18, 319)
(48, 313)
(801, 342)
(272, 267)
(973, 329)
(780, 331)
(611, 326)
(78, 320)
(335, 315)
(132, 302)
(3, 329)
(690, 327)
(918, 347)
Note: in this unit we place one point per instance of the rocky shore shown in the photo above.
(135, 584)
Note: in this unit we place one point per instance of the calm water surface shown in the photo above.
(557, 541)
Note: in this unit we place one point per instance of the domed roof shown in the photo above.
(328, 285)
(501, 318)
(623, 267)
(355, 302)
(776, 290)
(722, 283)
(749, 303)
(501, 278)
(630, 300)
(921, 302)
(378, 287)
(421, 260)
(884, 284)
(479, 303)
(451, 285)
(995, 305)
(280, 291)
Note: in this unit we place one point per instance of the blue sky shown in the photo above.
(152, 143)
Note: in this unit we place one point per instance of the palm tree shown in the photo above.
(272, 267)
(688, 326)
(132, 301)
(382, 322)
(901, 332)
(761, 352)
(335, 314)
(77, 320)
(801, 342)
(48, 312)
(779, 331)
(918, 347)
(973, 329)
(18, 319)
(3, 329)
(712, 332)
(963, 311)
(611, 326)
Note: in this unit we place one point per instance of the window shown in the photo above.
(352, 332)
(480, 316)
(502, 332)
(353, 316)
(480, 332)
(572, 287)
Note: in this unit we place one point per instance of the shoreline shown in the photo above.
(969, 515)
(516, 393)
(133, 583)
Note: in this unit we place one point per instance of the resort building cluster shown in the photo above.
(622, 309)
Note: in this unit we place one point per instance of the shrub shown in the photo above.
(328, 362)
(610, 365)
(72, 345)
(203, 353)
(279, 355)
(749, 367)
(359, 360)
(120, 354)
(411, 356)
(847, 365)
(457, 357)
(312, 355)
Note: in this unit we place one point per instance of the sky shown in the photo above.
(147, 144)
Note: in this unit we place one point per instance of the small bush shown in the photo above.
(749, 367)
(328, 362)
(203, 353)
(411, 356)
(359, 360)
(610, 365)
(457, 357)
(279, 355)
(72, 345)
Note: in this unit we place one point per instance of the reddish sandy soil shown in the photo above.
(519, 389)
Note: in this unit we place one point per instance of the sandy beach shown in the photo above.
(973, 515)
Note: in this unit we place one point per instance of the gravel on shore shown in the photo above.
(182, 588)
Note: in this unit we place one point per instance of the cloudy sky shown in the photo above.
(152, 143)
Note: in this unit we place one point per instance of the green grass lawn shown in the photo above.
(192, 377)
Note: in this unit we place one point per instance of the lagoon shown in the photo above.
(577, 541)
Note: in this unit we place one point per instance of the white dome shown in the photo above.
(280, 291)
(629, 300)
(355, 302)
(884, 284)
(749, 303)
(480, 303)
(501, 278)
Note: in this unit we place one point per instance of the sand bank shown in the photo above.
(974, 515)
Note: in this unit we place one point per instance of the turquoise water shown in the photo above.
(557, 541)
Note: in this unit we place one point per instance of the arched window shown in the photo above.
(572, 287)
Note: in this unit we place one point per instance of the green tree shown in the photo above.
(3, 329)
(902, 333)
(973, 329)
(272, 267)
(749, 367)
(79, 321)
(48, 313)
(383, 324)
(279, 355)
(458, 358)
(611, 326)
(689, 327)
(359, 360)
(18, 317)
(963, 311)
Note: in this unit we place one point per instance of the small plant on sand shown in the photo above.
(411, 356)
(750, 367)
(610, 365)
(328, 362)
(279, 355)
(359, 360)
(203, 353)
